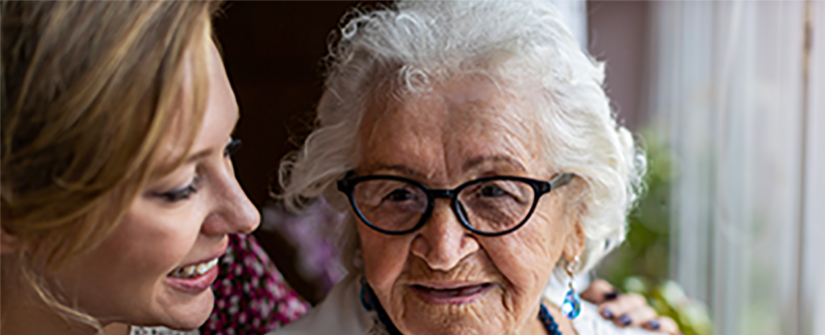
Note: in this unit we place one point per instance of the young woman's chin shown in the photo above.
(172, 310)
(181, 312)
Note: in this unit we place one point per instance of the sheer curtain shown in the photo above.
(737, 87)
(813, 290)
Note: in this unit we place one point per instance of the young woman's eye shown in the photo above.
(179, 194)
(231, 147)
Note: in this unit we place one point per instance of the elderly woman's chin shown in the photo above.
(483, 311)
(472, 298)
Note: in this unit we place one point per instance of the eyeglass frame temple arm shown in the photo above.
(562, 179)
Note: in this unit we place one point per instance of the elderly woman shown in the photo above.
(476, 150)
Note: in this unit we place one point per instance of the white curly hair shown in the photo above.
(410, 45)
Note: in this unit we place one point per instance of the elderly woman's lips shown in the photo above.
(456, 295)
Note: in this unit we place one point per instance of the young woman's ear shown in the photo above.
(8, 242)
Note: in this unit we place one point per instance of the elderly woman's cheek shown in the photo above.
(385, 258)
(527, 256)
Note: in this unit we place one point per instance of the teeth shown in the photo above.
(194, 270)
(203, 267)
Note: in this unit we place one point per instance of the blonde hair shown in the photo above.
(90, 90)
(412, 45)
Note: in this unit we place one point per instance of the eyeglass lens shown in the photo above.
(489, 206)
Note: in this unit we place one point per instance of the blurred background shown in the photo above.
(727, 97)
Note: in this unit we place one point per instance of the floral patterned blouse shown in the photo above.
(251, 296)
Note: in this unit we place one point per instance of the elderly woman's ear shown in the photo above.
(336, 199)
(576, 209)
(574, 245)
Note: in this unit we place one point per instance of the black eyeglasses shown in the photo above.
(490, 206)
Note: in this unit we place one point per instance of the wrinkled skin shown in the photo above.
(460, 131)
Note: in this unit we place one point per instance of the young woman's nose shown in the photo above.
(234, 212)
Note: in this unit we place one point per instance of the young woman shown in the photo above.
(118, 193)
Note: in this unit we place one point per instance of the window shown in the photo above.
(738, 88)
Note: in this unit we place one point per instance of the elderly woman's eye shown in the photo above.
(491, 191)
(400, 195)
(500, 192)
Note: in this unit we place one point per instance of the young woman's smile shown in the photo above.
(161, 259)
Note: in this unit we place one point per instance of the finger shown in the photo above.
(663, 325)
(623, 304)
(599, 291)
(636, 317)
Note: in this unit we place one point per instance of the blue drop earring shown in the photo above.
(572, 305)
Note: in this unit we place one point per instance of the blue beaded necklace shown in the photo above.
(371, 303)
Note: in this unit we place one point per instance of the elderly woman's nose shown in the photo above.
(443, 242)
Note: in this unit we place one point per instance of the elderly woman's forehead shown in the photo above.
(461, 119)
(475, 97)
